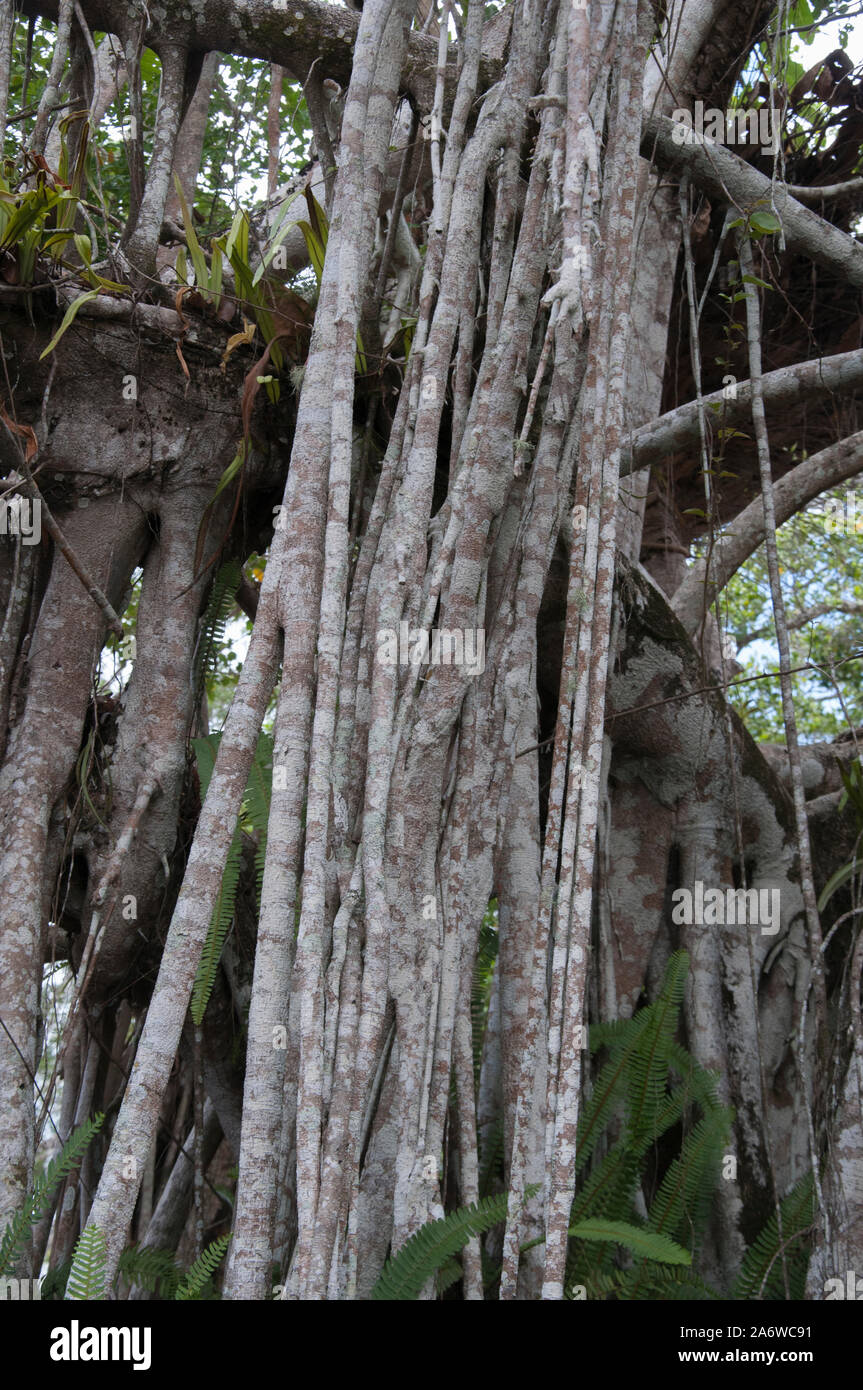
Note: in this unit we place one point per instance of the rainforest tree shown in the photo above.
(469, 352)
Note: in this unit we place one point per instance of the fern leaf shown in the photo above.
(214, 622)
(683, 1200)
(220, 923)
(663, 1283)
(649, 1060)
(405, 1274)
(448, 1275)
(699, 1083)
(649, 1244)
(88, 1274)
(206, 751)
(762, 1274)
(256, 805)
(609, 1086)
(480, 994)
(54, 1283)
(39, 1199)
(154, 1270)
(203, 1269)
(491, 1156)
(610, 1188)
(638, 1065)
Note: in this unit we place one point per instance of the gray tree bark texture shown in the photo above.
(508, 187)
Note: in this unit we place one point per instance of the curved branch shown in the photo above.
(294, 36)
(818, 474)
(820, 193)
(729, 178)
(678, 428)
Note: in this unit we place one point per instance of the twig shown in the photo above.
(804, 849)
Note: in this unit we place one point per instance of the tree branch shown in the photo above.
(820, 193)
(818, 474)
(293, 36)
(808, 615)
(678, 428)
(725, 176)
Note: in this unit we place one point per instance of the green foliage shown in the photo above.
(256, 804)
(405, 1274)
(762, 1274)
(220, 924)
(483, 974)
(68, 317)
(40, 218)
(220, 607)
(54, 1284)
(207, 279)
(156, 1271)
(652, 1245)
(25, 223)
(254, 816)
(762, 222)
(821, 560)
(88, 1275)
(202, 1270)
(235, 153)
(647, 1087)
(852, 782)
(40, 1199)
(153, 1270)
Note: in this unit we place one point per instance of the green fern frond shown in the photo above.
(153, 1270)
(203, 1269)
(648, 1071)
(608, 1195)
(481, 984)
(761, 1274)
(448, 1275)
(610, 1187)
(206, 751)
(664, 1283)
(256, 808)
(405, 1274)
(699, 1084)
(88, 1274)
(682, 1204)
(637, 1068)
(54, 1283)
(220, 924)
(216, 615)
(599, 1287)
(696, 1086)
(651, 1245)
(39, 1199)
(647, 1085)
(491, 1157)
(610, 1085)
